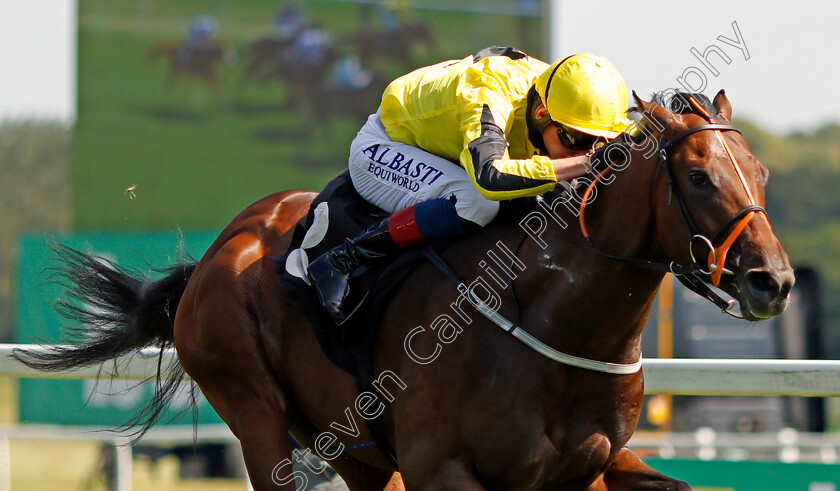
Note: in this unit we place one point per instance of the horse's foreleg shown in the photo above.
(628, 473)
(254, 68)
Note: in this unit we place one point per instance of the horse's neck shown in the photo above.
(582, 301)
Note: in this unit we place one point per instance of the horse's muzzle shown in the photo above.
(765, 291)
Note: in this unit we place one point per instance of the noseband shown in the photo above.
(696, 274)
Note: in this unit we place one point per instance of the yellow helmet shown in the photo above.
(585, 92)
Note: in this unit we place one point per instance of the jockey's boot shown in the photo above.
(332, 272)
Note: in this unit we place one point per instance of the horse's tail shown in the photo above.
(119, 312)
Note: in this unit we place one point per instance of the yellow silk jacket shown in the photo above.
(472, 111)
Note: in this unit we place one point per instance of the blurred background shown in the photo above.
(134, 127)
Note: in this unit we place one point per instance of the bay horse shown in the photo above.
(330, 102)
(465, 405)
(196, 62)
(266, 58)
(394, 44)
(270, 59)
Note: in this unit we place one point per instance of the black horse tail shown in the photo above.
(119, 311)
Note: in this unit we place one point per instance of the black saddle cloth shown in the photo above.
(344, 213)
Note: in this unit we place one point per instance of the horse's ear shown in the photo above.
(640, 104)
(658, 116)
(722, 105)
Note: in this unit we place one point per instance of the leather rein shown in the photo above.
(700, 271)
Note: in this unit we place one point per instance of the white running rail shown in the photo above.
(686, 376)
(690, 376)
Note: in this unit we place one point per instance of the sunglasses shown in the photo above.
(574, 139)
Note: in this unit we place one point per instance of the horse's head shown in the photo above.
(711, 189)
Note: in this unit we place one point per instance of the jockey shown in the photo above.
(449, 141)
(389, 20)
(311, 46)
(198, 36)
(348, 75)
(289, 22)
(200, 31)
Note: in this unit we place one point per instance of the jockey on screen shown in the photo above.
(348, 75)
(451, 140)
(311, 46)
(198, 37)
(200, 32)
(289, 22)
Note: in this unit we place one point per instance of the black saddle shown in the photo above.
(336, 213)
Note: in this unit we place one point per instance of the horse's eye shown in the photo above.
(698, 178)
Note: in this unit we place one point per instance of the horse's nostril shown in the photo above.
(764, 282)
(786, 287)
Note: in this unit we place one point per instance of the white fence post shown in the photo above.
(5, 463)
(123, 471)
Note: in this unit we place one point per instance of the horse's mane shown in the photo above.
(677, 102)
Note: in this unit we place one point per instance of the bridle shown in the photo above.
(698, 273)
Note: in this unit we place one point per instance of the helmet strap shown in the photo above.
(536, 126)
